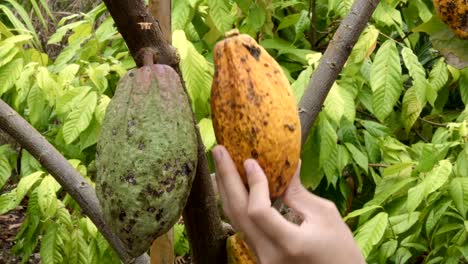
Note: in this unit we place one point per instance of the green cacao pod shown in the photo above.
(146, 156)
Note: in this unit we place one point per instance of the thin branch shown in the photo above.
(69, 178)
(378, 165)
(333, 60)
(432, 122)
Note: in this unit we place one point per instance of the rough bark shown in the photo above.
(130, 18)
(332, 62)
(69, 178)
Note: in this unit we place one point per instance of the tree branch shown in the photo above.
(201, 217)
(69, 178)
(332, 62)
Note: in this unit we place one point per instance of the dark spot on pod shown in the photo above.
(265, 123)
(151, 209)
(131, 123)
(218, 53)
(253, 50)
(266, 65)
(141, 146)
(114, 131)
(122, 215)
(287, 163)
(241, 116)
(159, 214)
(276, 71)
(171, 186)
(269, 75)
(254, 130)
(188, 168)
(166, 166)
(129, 178)
(290, 127)
(131, 74)
(254, 154)
(153, 192)
(248, 69)
(243, 59)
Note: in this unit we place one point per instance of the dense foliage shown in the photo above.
(390, 147)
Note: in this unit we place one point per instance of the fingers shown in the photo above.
(304, 202)
(228, 176)
(259, 209)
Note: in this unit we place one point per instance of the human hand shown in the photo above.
(322, 237)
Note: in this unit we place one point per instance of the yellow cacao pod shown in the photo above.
(455, 14)
(254, 110)
(238, 251)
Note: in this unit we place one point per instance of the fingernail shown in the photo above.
(217, 154)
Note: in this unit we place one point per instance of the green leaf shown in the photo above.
(385, 80)
(70, 99)
(365, 45)
(412, 107)
(8, 201)
(47, 197)
(68, 53)
(197, 73)
(339, 103)
(311, 173)
(5, 168)
(401, 223)
(375, 129)
(302, 25)
(361, 211)
(256, 17)
(182, 14)
(48, 85)
(207, 133)
(358, 156)
(8, 52)
(300, 84)
(435, 215)
(68, 74)
(25, 184)
(79, 252)
(461, 166)
(181, 242)
(387, 250)
(370, 233)
(328, 142)
(464, 86)
(80, 118)
(402, 255)
(387, 15)
(221, 14)
(104, 101)
(372, 147)
(459, 194)
(98, 76)
(417, 73)
(438, 77)
(37, 104)
(388, 187)
(90, 135)
(9, 73)
(50, 245)
(415, 196)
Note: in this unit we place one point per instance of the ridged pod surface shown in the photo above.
(455, 14)
(254, 110)
(146, 156)
(238, 252)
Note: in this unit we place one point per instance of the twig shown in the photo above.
(378, 165)
(69, 178)
(333, 60)
(432, 122)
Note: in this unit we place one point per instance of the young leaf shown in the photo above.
(50, 250)
(37, 104)
(100, 112)
(98, 76)
(385, 80)
(9, 73)
(79, 119)
(369, 234)
(197, 73)
(25, 184)
(361, 211)
(339, 103)
(207, 133)
(358, 156)
(182, 14)
(5, 168)
(221, 14)
(412, 107)
(401, 223)
(459, 194)
(68, 74)
(438, 77)
(68, 101)
(417, 72)
(47, 197)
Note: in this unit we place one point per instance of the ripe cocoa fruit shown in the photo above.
(455, 14)
(146, 156)
(238, 252)
(254, 110)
